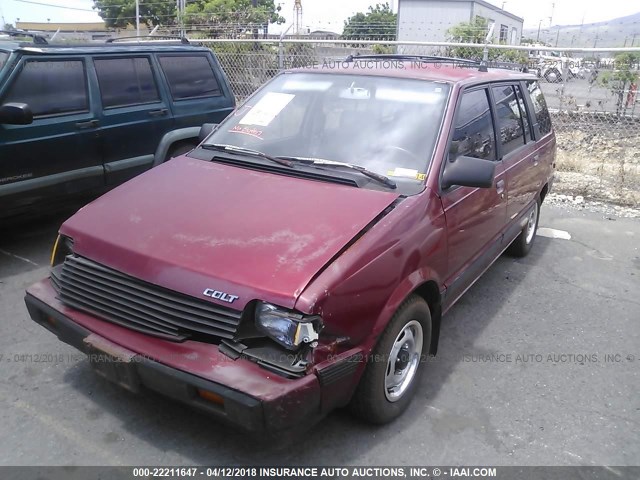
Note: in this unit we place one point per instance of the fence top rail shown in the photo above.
(423, 44)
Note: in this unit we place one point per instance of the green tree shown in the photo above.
(619, 81)
(121, 13)
(214, 17)
(379, 23)
(476, 32)
(231, 18)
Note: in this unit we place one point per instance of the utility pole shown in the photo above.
(557, 36)
(539, 25)
(138, 18)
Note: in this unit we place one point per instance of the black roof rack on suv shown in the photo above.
(402, 56)
(184, 40)
(39, 39)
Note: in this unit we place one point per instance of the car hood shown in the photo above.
(191, 225)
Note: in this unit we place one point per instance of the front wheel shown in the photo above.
(394, 368)
(523, 242)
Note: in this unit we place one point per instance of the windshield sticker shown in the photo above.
(406, 173)
(266, 109)
(253, 132)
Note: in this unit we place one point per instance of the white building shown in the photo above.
(429, 20)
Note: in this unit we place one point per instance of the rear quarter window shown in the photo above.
(189, 76)
(539, 107)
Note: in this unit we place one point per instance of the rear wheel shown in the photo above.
(523, 242)
(395, 366)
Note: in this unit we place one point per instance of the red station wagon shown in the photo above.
(301, 257)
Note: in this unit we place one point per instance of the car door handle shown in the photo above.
(536, 159)
(500, 188)
(158, 113)
(90, 124)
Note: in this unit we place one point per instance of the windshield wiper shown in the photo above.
(332, 163)
(247, 151)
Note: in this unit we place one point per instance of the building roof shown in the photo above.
(64, 27)
(479, 2)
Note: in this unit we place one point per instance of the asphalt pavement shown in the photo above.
(538, 364)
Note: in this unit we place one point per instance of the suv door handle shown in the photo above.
(500, 188)
(90, 124)
(158, 113)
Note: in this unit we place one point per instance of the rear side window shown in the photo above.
(509, 118)
(539, 107)
(50, 87)
(473, 134)
(523, 114)
(125, 81)
(189, 76)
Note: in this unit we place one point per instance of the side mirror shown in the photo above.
(205, 131)
(468, 172)
(15, 114)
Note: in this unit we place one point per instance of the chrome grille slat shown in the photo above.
(124, 300)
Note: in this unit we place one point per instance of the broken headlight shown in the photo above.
(290, 329)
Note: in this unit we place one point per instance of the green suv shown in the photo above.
(79, 120)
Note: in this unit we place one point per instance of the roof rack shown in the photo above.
(401, 56)
(39, 39)
(184, 40)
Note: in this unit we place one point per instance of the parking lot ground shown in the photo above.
(538, 364)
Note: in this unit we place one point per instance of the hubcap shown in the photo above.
(404, 360)
(531, 224)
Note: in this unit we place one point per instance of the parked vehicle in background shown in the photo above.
(301, 258)
(78, 120)
(556, 66)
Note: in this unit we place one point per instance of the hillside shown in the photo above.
(611, 33)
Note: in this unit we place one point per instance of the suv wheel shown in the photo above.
(395, 365)
(523, 242)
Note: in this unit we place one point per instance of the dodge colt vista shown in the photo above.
(302, 256)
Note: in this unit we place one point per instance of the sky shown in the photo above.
(330, 14)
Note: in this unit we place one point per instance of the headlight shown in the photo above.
(289, 329)
(62, 248)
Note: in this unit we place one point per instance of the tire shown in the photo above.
(178, 149)
(524, 241)
(376, 400)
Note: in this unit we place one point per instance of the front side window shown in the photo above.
(473, 134)
(387, 125)
(125, 81)
(539, 107)
(511, 132)
(50, 87)
(189, 76)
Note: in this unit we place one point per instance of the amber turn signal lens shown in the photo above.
(211, 397)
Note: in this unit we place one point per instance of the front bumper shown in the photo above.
(253, 398)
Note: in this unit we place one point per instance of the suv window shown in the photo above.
(189, 76)
(125, 81)
(473, 134)
(51, 87)
(509, 118)
(523, 114)
(539, 107)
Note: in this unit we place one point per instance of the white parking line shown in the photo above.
(553, 233)
(19, 257)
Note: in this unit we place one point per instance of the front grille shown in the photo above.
(118, 298)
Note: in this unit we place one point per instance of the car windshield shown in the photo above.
(386, 125)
